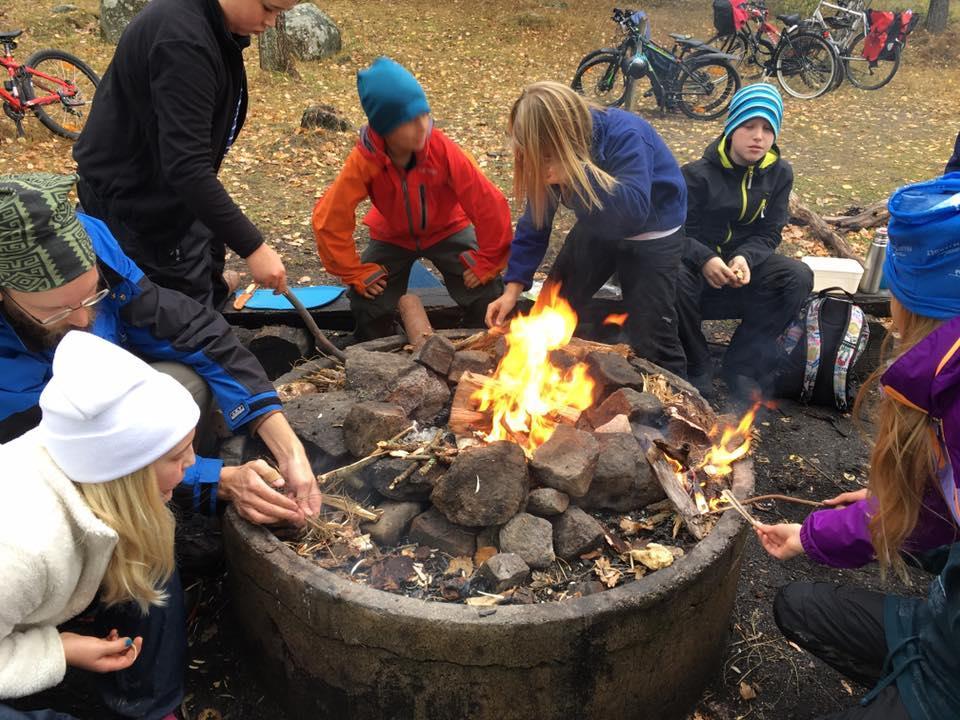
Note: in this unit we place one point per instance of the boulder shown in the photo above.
(393, 523)
(431, 529)
(485, 485)
(370, 422)
(611, 371)
(325, 117)
(623, 479)
(396, 378)
(319, 418)
(311, 32)
(545, 502)
(436, 354)
(115, 15)
(640, 406)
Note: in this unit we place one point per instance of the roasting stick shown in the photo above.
(735, 504)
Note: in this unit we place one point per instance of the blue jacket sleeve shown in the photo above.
(528, 247)
(204, 478)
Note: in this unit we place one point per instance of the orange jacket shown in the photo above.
(442, 194)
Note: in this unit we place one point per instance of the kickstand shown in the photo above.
(19, 123)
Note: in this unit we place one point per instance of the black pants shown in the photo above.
(375, 318)
(778, 286)
(152, 687)
(843, 626)
(192, 264)
(648, 278)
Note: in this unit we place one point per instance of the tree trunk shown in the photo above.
(938, 15)
(275, 51)
(820, 230)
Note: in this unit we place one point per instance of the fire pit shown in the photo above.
(603, 437)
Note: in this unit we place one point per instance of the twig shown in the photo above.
(410, 469)
(765, 498)
(819, 470)
(379, 452)
(349, 506)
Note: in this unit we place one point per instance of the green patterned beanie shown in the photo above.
(43, 246)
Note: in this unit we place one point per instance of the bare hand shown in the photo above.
(375, 288)
(267, 269)
(253, 488)
(717, 273)
(470, 279)
(847, 498)
(302, 485)
(100, 655)
(781, 541)
(499, 310)
(741, 271)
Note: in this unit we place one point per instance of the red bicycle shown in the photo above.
(54, 85)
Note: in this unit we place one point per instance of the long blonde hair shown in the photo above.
(904, 456)
(142, 561)
(549, 120)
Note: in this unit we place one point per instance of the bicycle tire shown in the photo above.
(720, 101)
(611, 87)
(44, 113)
(854, 58)
(799, 73)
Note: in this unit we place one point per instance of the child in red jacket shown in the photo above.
(427, 196)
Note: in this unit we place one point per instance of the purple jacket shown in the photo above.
(927, 378)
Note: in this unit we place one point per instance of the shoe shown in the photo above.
(232, 280)
(703, 382)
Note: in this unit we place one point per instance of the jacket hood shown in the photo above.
(718, 154)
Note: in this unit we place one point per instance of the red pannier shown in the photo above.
(729, 16)
(887, 30)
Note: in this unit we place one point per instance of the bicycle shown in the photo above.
(701, 86)
(753, 48)
(60, 99)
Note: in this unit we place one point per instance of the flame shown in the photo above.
(616, 319)
(529, 391)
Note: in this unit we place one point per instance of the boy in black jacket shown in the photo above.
(737, 196)
(168, 109)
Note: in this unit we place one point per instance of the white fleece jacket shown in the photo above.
(53, 555)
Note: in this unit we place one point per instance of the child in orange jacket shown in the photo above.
(427, 196)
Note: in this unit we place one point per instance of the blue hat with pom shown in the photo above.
(755, 101)
(390, 95)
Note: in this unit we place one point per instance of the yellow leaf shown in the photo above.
(654, 556)
(461, 565)
(747, 691)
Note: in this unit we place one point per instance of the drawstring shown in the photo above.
(892, 674)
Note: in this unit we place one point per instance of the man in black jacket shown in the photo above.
(737, 196)
(170, 105)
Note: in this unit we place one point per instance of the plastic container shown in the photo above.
(834, 272)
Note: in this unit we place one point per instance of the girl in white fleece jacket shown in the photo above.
(83, 509)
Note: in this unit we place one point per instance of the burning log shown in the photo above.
(580, 348)
(697, 523)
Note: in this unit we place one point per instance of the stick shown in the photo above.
(349, 506)
(735, 504)
(346, 469)
(411, 468)
(323, 344)
(783, 498)
(697, 524)
(820, 230)
(871, 216)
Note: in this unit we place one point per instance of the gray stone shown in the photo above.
(317, 417)
(436, 353)
(645, 435)
(433, 530)
(640, 406)
(611, 371)
(529, 537)
(623, 479)
(115, 15)
(369, 422)
(476, 361)
(398, 379)
(393, 523)
(566, 461)
(381, 473)
(312, 34)
(504, 571)
(485, 485)
(325, 117)
(545, 502)
(574, 533)
(421, 394)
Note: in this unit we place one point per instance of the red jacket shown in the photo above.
(442, 194)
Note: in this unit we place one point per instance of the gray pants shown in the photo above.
(375, 318)
(205, 442)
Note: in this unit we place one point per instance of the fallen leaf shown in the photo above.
(484, 600)
(608, 575)
(654, 556)
(747, 691)
(849, 477)
(483, 554)
(461, 565)
(847, 686)
(592, 555)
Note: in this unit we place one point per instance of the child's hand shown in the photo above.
(847, 498)
(100, 655)
(375, 288)
(470, 279)
(499, 310)
(717, 273)
(267, 269)
(741, 271)
(781, 541)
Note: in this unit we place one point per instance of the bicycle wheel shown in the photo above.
(67, 117)
(601, 80)
(706, 89)
(750, 63)
(868, 75)
(805, 65)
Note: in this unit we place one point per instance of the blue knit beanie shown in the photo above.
(922, 268)
(755, 101)
(390, 95)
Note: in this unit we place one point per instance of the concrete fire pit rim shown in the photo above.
(643, 592)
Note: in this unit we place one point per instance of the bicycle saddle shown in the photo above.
(687, 40)
(792, 19)
(12, 35)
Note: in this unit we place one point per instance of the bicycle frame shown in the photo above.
(843, 36)
(19, 74)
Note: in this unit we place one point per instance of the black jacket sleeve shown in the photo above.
(184, 121)
(766, 237)
(696, 253)
(953, 165)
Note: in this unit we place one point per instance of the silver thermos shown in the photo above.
(873, 264)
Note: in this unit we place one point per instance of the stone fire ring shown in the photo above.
(332, 648)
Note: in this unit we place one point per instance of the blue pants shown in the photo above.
(152, 687)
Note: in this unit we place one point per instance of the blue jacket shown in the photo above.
(650, 194)
(156, 324)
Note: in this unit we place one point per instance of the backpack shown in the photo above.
(728, 16)
(887, 30)
(819, 348)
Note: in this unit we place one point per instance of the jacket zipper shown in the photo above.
(745, 185)
(759, 212)
(423, 208)
(406, 202)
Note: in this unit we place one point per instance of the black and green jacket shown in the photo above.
(734, 210)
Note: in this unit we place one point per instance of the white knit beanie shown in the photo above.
(107, 413)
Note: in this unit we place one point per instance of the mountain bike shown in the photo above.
(701, 86)
(54, 85)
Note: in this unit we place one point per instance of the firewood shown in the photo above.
(353, 508)
(820, 229)
(416, 324)
(871, 216)
(696, 523)
(580, 348)
(485, 340)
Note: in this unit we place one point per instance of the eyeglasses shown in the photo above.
(67, 311)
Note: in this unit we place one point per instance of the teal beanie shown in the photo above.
(759, 100)
(390, 95)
